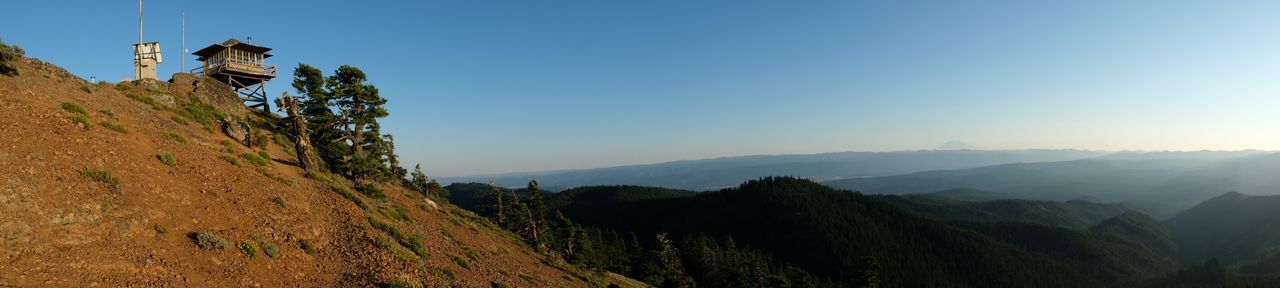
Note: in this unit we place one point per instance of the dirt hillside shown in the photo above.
(111, 186)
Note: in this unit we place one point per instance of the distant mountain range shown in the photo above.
(710, 174)
(1159, 184)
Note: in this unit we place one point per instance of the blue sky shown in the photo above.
(487, 86)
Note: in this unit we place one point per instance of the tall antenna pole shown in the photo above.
(183, 56)
(137, 51)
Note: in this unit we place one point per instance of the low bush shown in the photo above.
(405, 281)
(461, 262)
(167, 158)
(104, 177)
(147, 100)
(174, 136)
(208, 241)
(267, 247)
(8, 54)
(201, 112)
(248, 249)
(114, 127)
(230, 159)
(371, 190)
(179, 120)
(255, 159)
(82, 120)
(307, 247)
(74, 108)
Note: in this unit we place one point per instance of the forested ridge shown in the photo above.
(790, 232)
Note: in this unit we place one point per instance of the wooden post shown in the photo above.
(303, 144)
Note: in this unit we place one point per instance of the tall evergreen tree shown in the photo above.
(536, 211)
(316, 108)
(359, 106)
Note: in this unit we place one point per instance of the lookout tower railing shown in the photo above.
(230, 66)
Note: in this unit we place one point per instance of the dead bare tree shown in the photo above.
(303, 142)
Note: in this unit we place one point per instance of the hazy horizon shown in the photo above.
(516, 86)
(976, 148)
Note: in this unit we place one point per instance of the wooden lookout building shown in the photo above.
(240, 65)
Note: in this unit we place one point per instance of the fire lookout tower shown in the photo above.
(241, 65)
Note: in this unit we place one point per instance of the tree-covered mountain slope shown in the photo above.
(1077, 214)
(841, 236)
(1229, 227)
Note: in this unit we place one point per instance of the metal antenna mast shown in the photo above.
(182, 60)
(137, 51)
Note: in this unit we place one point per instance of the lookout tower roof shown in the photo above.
(234, 44)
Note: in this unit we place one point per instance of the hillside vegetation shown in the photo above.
(846, 239)
(131, 184)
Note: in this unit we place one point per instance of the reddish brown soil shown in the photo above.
(59, 227)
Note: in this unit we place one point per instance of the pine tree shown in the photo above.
(360, 106)
(536, 212)
(418, 180)
(322, 122)
(565, 234)
(672, 272)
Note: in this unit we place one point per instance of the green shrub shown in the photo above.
(255, 159)
(230, 159)
(414, 243)
(208, 241)
(248, 249)
(398, 212)
(146, 99)
(279, 202)
(86, 89)
(104, 177)
(8, 54)
(471, 254)
(114, 127)
(307, 247)
(122, 86)
(167, 158)
(201, 112)
(179, 120)
(405, 281)
(267, 247)
(259, 139)
(82, 120)
(174, 136)
(227, 146)
(396, 251)
(264, 155)
(461, 262)
(74, 108)
(371, 190)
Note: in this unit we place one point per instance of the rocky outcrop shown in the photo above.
(207, 90)
(238, 130)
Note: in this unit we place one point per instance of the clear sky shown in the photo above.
(488, 86)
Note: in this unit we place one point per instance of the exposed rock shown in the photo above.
(208, 90)
(238, 130)
(165, 99)
(150, 84)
